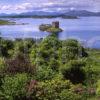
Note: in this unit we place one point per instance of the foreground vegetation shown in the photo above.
(48, 70)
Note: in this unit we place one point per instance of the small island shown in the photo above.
(52, 28)
(69, 17)
(6, 22)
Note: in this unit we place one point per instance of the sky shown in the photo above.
(19, 6)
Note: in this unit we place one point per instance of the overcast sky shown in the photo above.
(18, 6)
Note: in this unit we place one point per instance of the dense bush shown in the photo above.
(74, 71)
(71, 49)
(45, 52)
(2, 66)
(2, 63)
(5, 46)
(56, 89)
(14, 87)
(44, 73)
(68, 95)
(98, 88)
(19, 64)
(21, 46)
(42, 70)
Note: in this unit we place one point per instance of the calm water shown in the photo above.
(85, 29)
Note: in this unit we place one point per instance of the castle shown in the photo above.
(55, 24)
(54, 27)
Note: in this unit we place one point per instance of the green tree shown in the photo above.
(5, 46)
(71, 49)
(46, 52)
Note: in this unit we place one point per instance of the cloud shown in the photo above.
(23, 6)
(50, 5)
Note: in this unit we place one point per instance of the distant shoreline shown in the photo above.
(6, 22)
(65, 17)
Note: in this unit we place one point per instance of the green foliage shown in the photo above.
(2, 63)
(46, 52)
(14, 86)
(50, 52)
(54, 30)
(71, 49)
(23, 46)
(74, 71)
(71, 43)
(91, 75)
(55, 89)
(92, 68)
(98, 88)
(69, 95)
(54, 63)
(2, 66)
(51, 89)
(44, 73)
(5, 46)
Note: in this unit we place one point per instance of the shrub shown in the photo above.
(74, 71)
(2, 63)
(44, 73)
(84, 91)
(55, 89)
(23, 46)
(69, 95)
(71, 49)
(14, 87)
(5, 46)
(46, 52)
(19, 64)
(2, 66)
(98, 88)
(52, 89)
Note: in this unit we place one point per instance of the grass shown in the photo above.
(95, 56)
(94, 62)
(54, 30)
(94, 98)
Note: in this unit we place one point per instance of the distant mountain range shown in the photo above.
(57, 14)
(82, 13)
(4, 14)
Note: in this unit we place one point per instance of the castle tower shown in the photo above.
(55, 24)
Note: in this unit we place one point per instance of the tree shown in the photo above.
(45, 52)
(22, 46)
(71, 49)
